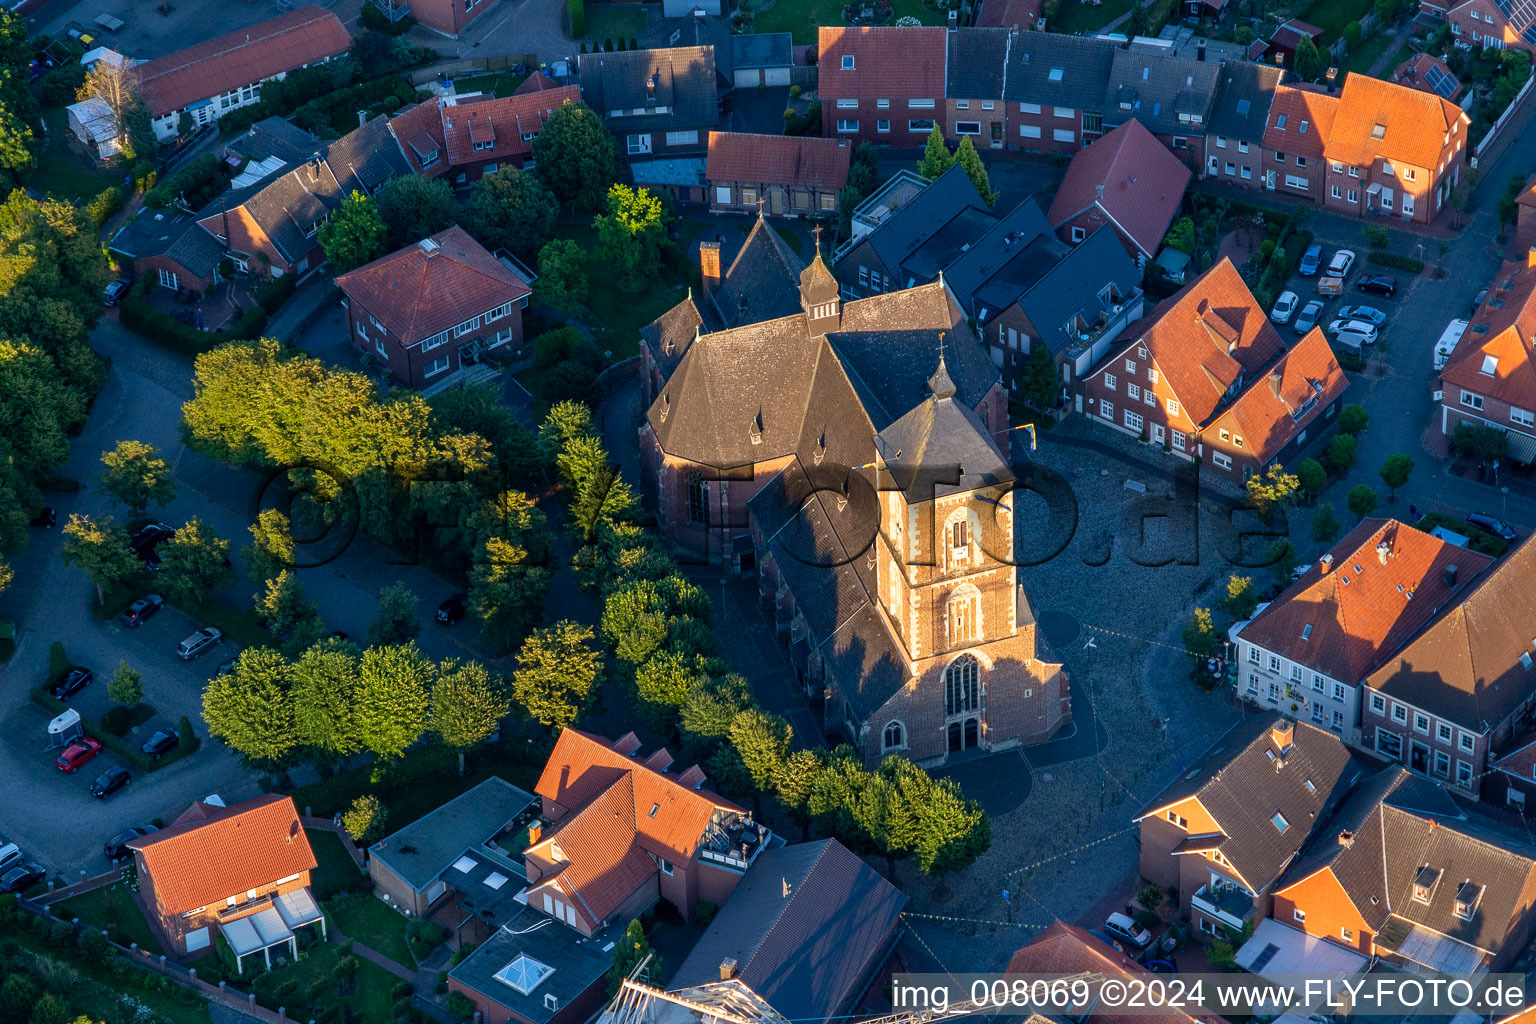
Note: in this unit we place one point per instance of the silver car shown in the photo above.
(1307, 318)
(1353, 332)
(1341, 263)
(199, 643)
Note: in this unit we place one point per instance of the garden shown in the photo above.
(802, 17)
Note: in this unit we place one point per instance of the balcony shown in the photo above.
(1228, 904)
(1091, 338)
(735, 843)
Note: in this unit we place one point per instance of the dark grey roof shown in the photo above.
(1244, 91)
(761, 283)
(428, 846)
(274, 136)
(945, 245)
(1073, 288)
(684, 77)
(1157, 89)
(669, 335)
(977, 57)
(1003, 243)
(803, 926)
(905, 231)
(366, 157)
(762, 50)
(577, 963)
(940, 447)
(1246, 778)
(168, 233)
(1057, 70)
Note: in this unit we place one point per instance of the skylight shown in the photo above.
(1279, 822)
(1379, 131)
(465, 864)
(496, 880)
(1280, 122)
(1310, 787)
(1055, 74)
(524, 974)
(1306, 631)
(1490, 364)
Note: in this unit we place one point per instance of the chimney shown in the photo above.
(1283, 733)
(1200, 50)
(1326, 563)
(709, 264)
(1383, 552)
(1346, 838)
(727, 969)
(650, 89)
(1274, 384)
(362, 118)
(535, 832)
(1450, 577)
(1530, 257)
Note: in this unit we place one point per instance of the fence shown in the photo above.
(1492, 144)
(481, 65)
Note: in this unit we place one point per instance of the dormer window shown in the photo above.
(1468, 895)
(1424, 884)
(757, 429)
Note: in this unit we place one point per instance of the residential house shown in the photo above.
(761, 58)
(1017, 15)
(530, 971)
(1490, 24)
(211, 78)
(1525, 217)
(885, 84)
(482, 134)
(781, 175)
(1205, 8)
(433, 308)
(746, 477)
(1310, 650)
(975, 76)
(1454, 697)
(625, 831)
(266, 147)
(1285, 38)
(1206, 375)
(1224, 832)
(1295, 136)
(1170, 96)
(1511, 780)
(1126, 180)
(172, 248)
(658, 103)
(241, 871)
(1055, 90)
(460, 864)
(1401, 874)
(273, 226)
(804, 932)
(1490, 379)
(1427, 72)
(1401, 148)
(1234, 140)
(445, 17)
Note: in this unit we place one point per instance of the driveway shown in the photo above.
(512, 26)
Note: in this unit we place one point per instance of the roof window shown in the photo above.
(1279, 822)
(1055, 74)
(1490, 364)
(1280, 122)
(847, 62)
(1379, 131)
(1306, 631)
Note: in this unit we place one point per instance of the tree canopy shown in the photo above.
(576, 156)
(511, 209)
(414, 207)
(354, 234)
(557, 670)
(630, 236)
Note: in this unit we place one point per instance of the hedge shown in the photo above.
(198, 177)
(107, 202)
(578, 12)
(1396, 262)
(124, 748)
(139, 316)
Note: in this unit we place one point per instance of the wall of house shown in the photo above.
(574, 1012)
(867, 115)
(449, 17)
(990, 117)
(1292, 174)
(1042, 128)
(246, 236)
(1107, 397)
(363, 335)
(1159, 836)
(1480, 23)
(1228, 453)
(1235, 162)
(1506, 790)
(633, 138)
(1326, 911)
(399, 890)
(1420, 188)
(856, 273)
(1424, 743)
(186, 280)
(715, 884)
(179, 926)
(1075, 229)
(1494, 412)
(1266, 678)
(777, 200)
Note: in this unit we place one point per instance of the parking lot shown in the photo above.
(1315, 307)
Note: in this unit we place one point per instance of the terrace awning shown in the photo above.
(257, 934)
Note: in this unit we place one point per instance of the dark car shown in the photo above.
(199, 643)
(113, 293)
(144, 542)
(160, 744)
(47, 519)
(75, 680)
(116, 848)
(1497, 527)
(1380, 284)
(20, 879)
(452, 610)
(142, 610)
(110, 781)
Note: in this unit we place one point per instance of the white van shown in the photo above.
(1447, 343)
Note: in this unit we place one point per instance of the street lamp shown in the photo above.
(1504, 508)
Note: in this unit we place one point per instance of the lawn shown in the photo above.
(367, 919)
(616, 315)
(1074, 17)
(801, 17)
(304, 985)
(497, 85)
(337, 870)
(606, 21)
(1361, 60)
(66, 175)
(1332, 15)
(94, 989)
(111, 907)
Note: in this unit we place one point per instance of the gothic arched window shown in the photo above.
(962, 686)
(698, 503)
(895, 736)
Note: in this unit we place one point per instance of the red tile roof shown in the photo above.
(243, 57)
(1366, 605)
(1292, 32)
(1293, 107)
(1132, 177)
(501, 121)
(224, 852)
(598, 844)
(1527, 196)
(889, 63)
(1504, 350)
(1414, 73)
(1415, 127)
(536, 82)
(419, 130)
(1285, 399)
(795, 160)
(418, 291)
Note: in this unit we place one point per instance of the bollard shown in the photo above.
(133, 947)
(192, 971)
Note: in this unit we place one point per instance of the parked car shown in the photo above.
(116, 848)
(199, 643)
(1341, 263)
(10, 856)
(144, 542)
(1378, 284)
(47, 519)
(1112, 942)
(1126, 930)
(1285, 305)
(142, 610)
(1339, 328)
(1307, 318)
(1311, 261)
(110, 781)
(20, 879)
(112, 294)
(76, 754)
(1370, 314)
(452, 610)
(160, 744)
(1497, 527)
(75, 680)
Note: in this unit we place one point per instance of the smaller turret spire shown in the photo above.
(941, 384)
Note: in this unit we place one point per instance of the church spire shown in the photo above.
(819, 293)
(941, 384)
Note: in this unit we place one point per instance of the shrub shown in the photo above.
(107, 202)
(1342, 451)
(1147, 918)
(58, 662)
(1353, 419)
(199, 182)
(1396, 262)
(704, 911)
(10, 906)
(402, 990)
(62, 84)
(1151, 896)
(345, 969)
(189, 739)
(577, 9)
(460, 1005)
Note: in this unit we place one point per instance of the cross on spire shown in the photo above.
(817, 232)
(759, 207)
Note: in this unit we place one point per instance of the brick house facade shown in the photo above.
(449, 17)
(884, 85)
(790, 176)
(1490, 378)
(1480, 23)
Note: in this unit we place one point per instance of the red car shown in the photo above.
(77, 754)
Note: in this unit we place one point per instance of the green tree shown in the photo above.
(604, 498)
(354, 234)
(667, 680)
(250, 708)
(272, 548)
(1362, 500)
(1241, 598)
(936, 156)
(1199, 635)
(1341, 452)
(391, 700)
(1308, 63)
(1281, 559)
(1181, 236)
(468, 704)
(290, 616)
(194, 564)
(564, 422)
(1311, 477)
(970, 161)
(414, 207)
(631, 234)
(1274, 488)
(127, 685)
(713, 704)
(1140, 23)
(1375, 234)
(1395, 472)
(506, 590)
(1351, 36)
(364, 819)
(562, 279)
(511, 209)
(100, 549)
(556, 671)
(762, 740)
(1325, 524)
(632, 951)
(1042, 380)
(136, 475)
(323, 689)
(396, 621)
(575, 156)
(17, 147)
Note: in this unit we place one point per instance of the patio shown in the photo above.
(272, 926)
(223, 304)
